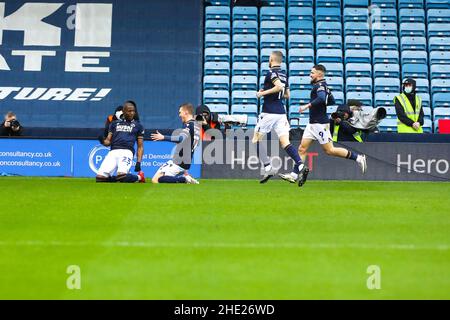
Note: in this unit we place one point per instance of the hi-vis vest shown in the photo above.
(356, 135)
(410, 113)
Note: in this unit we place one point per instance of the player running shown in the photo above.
(122, 136)
(175, 170)
(319, 126)
(273, 116)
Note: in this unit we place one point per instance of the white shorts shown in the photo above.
(318, 131)
(277, 122)
(170, 169)
(119, 159)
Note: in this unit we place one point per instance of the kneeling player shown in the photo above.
(175, 170)
(122, 136)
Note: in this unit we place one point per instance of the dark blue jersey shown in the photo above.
(321, 97)
(273, 103)
(125, 134)
(187, 139)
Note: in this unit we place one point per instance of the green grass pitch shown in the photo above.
(224, 239)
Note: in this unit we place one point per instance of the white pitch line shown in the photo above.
(128, 244)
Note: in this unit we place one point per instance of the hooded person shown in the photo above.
(341, 128)
(209, 120)
(408, 106)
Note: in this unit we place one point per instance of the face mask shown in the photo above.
(408, 89)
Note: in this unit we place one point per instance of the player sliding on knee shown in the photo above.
(273, 116)
(175, 170)
(122, 136)
(318, 127)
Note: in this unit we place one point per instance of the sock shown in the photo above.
(129, 178)
(293, 153)
(352, 155)
(106, 179)
(262, 154)
(168, 179)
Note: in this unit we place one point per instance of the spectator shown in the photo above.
(209, 120)
(408, 106)
(340, 128)
(10, 126)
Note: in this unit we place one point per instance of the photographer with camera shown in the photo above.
(340, 128)
(10, 126)
(210, 120)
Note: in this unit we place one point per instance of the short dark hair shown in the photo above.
(320, 67)
(188, 107)
(279, 55)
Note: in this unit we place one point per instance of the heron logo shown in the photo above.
(96, 156)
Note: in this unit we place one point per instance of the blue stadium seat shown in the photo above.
(276, 3)
(438, 4)
(266, 52)
(440, 85)
(331, 109)
(357, 42)
(328, 14)
(323, 27)
(300, 83)
(245, 55)
(244, 83)
(413, 29)
(412, 15)
(301, 27)
(245, 13)
(357, 56)
(264, 68)
(439, 57)
(386, 56)
(216, 83)
(300, 3)
(438, 16)
(300, 13)
(427, 126)
(272, 41)
(220, 2)
(386, 70)
(334, 69)
(338, 97)
(412, 4)
(356, 29)
(384, 3)
(298, 97)
(250, 109)
(217, 68)
(425, 99)
(441, 99)
(219, 40)
(384, 29)
(439, 30)
(440, 113)
(358, 84)
(218, 107)
(385, 43)
(251, 122)
(217, 26)
(386, 85)
(383, 99)
(245, 26)
(383, 15)
(302, 122)
(328, 3)
(335, 83)
(216, 96)
(415, 71)
(261, 80)
(356, 14)
(273, 27)
(272, 13)
(302, 41)
(426, 113)
(413, 43)
(245, 41)
(329, 55)
(423, 85)
(388, 125)
(439, 43)
(390, 111)
(439, 71)
(358, 70)
(329, 42)
(420, 57)
(243, 97)
(301, 55)
(356, 3)
(245, 69)
(217, 54)
(300, 69)
(217, 13)
(364, 97)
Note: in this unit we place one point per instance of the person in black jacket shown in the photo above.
(413, 122)
(10, 126)
(340, 128)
